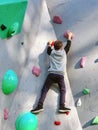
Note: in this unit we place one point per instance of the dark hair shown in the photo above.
(58, 44)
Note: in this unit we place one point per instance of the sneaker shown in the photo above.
(38, 109)
(63, 109)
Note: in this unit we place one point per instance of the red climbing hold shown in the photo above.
(57, 122)
(57, 19)
(36, 71)
(52, 43)
(67, 113)
(67, 33)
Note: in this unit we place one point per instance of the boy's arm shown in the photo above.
(67, 47)
(49, 49)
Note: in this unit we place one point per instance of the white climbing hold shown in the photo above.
(79, 102)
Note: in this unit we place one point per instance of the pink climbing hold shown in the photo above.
(82, 62)
(36, 71)
(67, 33)
(57, 19)
(6, 114)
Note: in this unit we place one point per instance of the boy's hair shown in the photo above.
(58, 45)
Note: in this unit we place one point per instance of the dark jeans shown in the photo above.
(53, 78)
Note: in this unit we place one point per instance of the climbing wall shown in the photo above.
(22, 58)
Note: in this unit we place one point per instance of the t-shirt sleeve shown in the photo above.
(49, 49)
(67, 47)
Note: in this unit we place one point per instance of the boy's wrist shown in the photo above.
(69, 38)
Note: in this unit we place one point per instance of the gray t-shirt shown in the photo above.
(58, 61)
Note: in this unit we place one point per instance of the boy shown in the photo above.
(56, 73)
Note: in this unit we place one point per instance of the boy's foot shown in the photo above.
(63, 109)
(38, 109)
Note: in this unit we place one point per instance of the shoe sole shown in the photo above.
(37, 111)
(64, 111)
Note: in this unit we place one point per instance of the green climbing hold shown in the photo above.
(9, 82)
(86, 91)
(12, 13)
(26, 121)
(13, 29)
(95, 121)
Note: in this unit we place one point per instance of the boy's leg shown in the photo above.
(47, 85)
(62, 86)
(49, 81)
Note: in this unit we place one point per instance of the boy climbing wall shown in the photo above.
(58, 61)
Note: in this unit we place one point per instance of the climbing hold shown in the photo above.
(36, 71)
(5, 110)
(52, 43)
(22, 43)
(86, 91)
(67, 113)
(13, 29)
(12, 11)
(26, 121)
(79, 103)
(96, 61)
(95, 121)
(57, 123)
(57, 19)
(82, 62)
(67, 33)
(5, 114)
(9, 82)
(3, 27)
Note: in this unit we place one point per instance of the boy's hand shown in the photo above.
(70, 35)
(50, 43)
